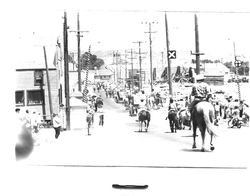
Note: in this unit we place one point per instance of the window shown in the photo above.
(20, 98)
(35, 97)
(38, 77)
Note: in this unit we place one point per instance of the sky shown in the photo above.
(115, 26)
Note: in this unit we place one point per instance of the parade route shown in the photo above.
(118, 143)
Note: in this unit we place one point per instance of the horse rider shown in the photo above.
(172, 106)
(200, 92)
(142, 102)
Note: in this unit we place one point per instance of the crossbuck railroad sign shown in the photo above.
(172, 54)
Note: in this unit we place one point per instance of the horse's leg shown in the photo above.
(175, 126)
(211, 142)
(139, 126)
(181, 123)
(145, 125)
(194, 134)
(171, 126)
(175, 123)
(202, 128)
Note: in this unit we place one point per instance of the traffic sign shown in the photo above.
(237, 63)
(172, 54)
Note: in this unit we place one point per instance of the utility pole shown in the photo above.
(150, 52)
(235, 56)
(116, 55)
(140, 60)
(79, 52)
(126, 68)
(66, 70)
(197, 46)
(162, 60)
(132, 68)
(48, 84)
(169, 61)
(237, 64)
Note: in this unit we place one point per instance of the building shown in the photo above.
(32, 88)
(215, 73)
(103, 75)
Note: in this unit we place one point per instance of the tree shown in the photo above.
(94, 61)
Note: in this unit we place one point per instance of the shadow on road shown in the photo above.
(141, 131)
(188, 136)
(194, 150)
(169, 132)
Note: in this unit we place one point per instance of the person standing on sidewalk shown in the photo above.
(57, 125)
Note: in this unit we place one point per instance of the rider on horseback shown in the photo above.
(200, 92)
(142, 102)
(172, 111)
(172, 106)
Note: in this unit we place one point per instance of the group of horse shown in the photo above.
(201, 117)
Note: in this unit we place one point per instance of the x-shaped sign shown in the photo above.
(172, 54)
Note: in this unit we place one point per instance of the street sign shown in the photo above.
(237, 63)
(172, 54)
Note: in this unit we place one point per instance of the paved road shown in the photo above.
(119, 143)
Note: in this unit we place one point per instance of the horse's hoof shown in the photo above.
(212, 148)
(194, 146)
(203, 150)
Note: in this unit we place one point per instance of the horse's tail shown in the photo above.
(208, 118)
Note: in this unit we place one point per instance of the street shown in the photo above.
(118, 143)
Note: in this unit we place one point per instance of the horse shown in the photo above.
(184, 118)
(173, 121)
(202, 116)
(144, 116)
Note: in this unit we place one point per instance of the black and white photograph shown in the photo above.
(128, 98)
